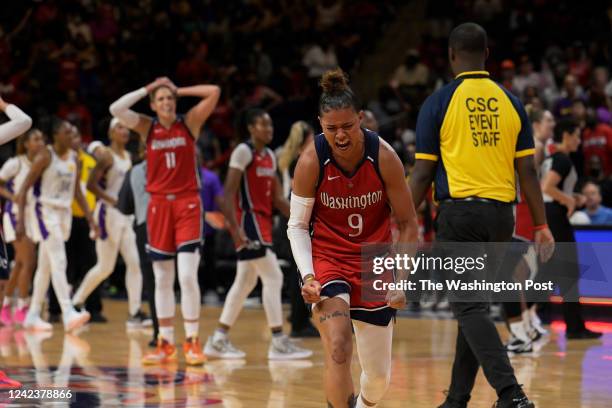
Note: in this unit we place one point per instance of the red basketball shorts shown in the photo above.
(355, 277)
(174, 224)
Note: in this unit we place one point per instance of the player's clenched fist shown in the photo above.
(311, 291)
(396, 299)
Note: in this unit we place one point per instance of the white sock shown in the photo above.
(192, 329)
(518, 330)
(7, 301)
(361, 404)
(167, 333)
(219, 334)
(22, 302)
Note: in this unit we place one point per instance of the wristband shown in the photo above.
(540, 227)
(308, 278)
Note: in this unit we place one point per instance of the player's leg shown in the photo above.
(55, 248)
(133, 276)
(27, 253)
(218, 345)
(188, 216)
(332, 318)
(161, 249)
(40, 286)
(6, 314)
(374, 349)
(269, 271)
(106, 255)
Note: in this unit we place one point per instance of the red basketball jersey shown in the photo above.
(350, 210)
(254, 202)
(523, 225)
(171, 159)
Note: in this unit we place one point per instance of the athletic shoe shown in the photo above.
(536, 324)
(6, 316)
(584, 334)
(74, 319)
(35, 323)
(282, 348)
(164, 353)
(20, 314)
(193, 352)
(453, 403)
(222, 348)
(517, 400)
(8, 383)
(139, 320)
(517, 346)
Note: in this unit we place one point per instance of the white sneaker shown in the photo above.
(222, 348)
(35, 323)
(282, 348)
(536, 323)
(75, 319)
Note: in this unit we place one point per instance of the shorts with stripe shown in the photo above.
(111, 222)
(48, 220)
(354, 277)
(9, 222)
(174, 224)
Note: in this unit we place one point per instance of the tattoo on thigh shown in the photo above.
(331, 315)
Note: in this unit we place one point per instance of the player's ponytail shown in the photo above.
(291, 149)
(337, 94)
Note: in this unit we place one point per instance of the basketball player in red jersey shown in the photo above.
(174, 218)
(253, 191)
(346, 185)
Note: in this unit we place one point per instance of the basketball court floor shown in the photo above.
(101, 366)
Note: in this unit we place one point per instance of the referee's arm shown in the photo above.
(428, 151)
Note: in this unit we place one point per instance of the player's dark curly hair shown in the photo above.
(337, 94)
(246, 119)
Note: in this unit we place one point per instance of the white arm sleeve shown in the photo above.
(241, 157)
(18, 124)
(121, 107)
(298, 233)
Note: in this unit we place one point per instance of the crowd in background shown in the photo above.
(71, 58)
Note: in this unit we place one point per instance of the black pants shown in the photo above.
(81, 255)
(148, 278)
(207, 276)
(478, 342)
(564, 272)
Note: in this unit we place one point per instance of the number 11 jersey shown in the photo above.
(171, 159)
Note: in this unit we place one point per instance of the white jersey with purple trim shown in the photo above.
(113, 179)
(53, 194)
(111, 221)
(13, 173)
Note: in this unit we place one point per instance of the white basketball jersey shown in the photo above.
(113, 179)
(14, 173)
(55, 188)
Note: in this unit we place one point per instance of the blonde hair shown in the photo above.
(291, 148)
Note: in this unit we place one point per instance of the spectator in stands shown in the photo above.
(508, 74)
(571, 91)
(75, 112)
(369, 121)
(598, 214)
(526, 77)
(319, 58)
(412, 72)
(597, 142)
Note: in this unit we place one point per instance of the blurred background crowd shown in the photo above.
(72, 58)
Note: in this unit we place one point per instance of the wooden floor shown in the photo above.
(101, 365)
